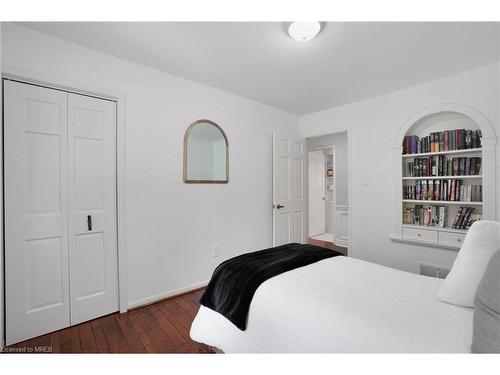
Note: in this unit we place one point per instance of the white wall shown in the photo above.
(373, 125)
(171, 225)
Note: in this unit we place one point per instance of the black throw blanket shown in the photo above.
(234, 282)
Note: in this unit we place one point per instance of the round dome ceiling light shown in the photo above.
(304, 31)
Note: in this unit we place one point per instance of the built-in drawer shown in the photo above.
(420, 234)
(451, 239)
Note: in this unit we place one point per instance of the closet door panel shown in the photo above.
(92, 206)
(36, 242)
(44, 258)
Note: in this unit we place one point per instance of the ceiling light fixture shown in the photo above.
(304, 31)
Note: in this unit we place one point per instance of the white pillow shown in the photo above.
(481, 242)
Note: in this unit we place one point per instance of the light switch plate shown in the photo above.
(215, 251)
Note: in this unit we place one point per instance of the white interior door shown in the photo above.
(289, 205)
(316, 172)
(36, 241)
(92, 207)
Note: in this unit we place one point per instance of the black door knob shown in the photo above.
(279, 206)
(89, 222)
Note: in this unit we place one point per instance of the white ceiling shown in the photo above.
(345, 63)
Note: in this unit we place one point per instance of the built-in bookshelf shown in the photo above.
(445, 157)
(442, 185)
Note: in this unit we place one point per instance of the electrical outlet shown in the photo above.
(433, 270)
(215, 250)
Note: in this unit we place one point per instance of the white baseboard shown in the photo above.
(160, 296)
(341, 242)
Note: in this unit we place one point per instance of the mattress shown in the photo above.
(342, 305)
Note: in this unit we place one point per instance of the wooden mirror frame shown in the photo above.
(186, 136)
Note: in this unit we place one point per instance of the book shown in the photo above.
(463, 218)
(428, 216)
(437, 190)
(468, 139)
(457, 217)
(477, 166)
(442, 216)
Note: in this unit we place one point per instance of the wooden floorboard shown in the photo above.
(70, 340)
(175, 337)
(131, 337)
(87, 339)
(157, 328)
(100, 338)
(114, 335)
(55, 342)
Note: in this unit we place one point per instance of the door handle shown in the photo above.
(89, 222)
(279, 206)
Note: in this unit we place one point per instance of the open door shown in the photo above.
(289, 202)
(317, 196)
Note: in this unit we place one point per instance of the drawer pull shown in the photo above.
(419, 234)
(459, 240)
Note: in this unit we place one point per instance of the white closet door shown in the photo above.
(92, 207)
(36, 242)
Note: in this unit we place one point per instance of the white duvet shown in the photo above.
(342, 305)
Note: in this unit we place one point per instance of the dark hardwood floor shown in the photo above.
(328, 245)
(162, 327)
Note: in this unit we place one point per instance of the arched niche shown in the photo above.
(471, 113)
(447, 116)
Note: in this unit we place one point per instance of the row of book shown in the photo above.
(437, 216)
(440, 165)
(448, 140)
(429, 216)
(465, 217)
(443, 190)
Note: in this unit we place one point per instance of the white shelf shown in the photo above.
(470, 177)
(431, 202)
(465, 151)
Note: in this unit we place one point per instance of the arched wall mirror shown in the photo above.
(206, 154)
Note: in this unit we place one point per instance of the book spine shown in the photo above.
(441, 216)
(437, 190)
(457, 217)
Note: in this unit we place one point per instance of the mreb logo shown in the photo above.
(43, 349)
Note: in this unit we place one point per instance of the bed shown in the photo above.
(342, 305)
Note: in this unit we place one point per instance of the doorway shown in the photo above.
(327, 190)
(321, 180)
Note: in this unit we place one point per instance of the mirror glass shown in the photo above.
(205, 153)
